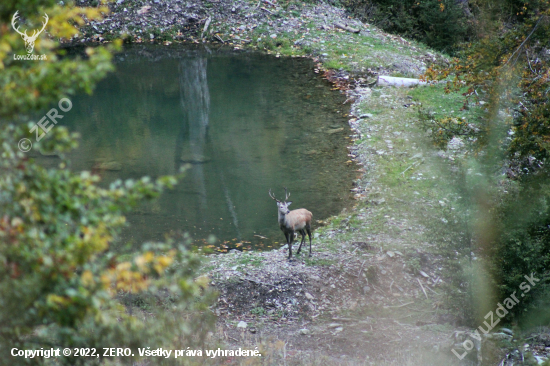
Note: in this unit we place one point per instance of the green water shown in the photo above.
(246, 122)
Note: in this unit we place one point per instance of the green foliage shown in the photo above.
(508, 70)
(441, 24)
(61, 285)
(58, 278)
(28, 86)
(523, 245)
(258, 311)
(442, 130)
(504, 221)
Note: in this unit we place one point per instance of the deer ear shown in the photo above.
(288, 203)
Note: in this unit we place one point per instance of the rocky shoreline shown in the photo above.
(292, 29)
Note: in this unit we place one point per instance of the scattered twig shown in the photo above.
(206, 25)
(270, 3)
(382, 292)
(346, 28)
(269, 11)
(219, 38)
(361, 269)
(400, 306)
(432, 290)
(403, 325)
(525, 40)
(391, 284)
(261, 237)
(420, 283)
(344, 319)
(523, 106)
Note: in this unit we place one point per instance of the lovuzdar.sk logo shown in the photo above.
(29, 40)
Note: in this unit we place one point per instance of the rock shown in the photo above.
(242, 324)
(507, 331)
(338, 330)
(379, 201)
(305, 331)
(366, 115)
(423, 274)
(501, 336)
(309, 296)
(366, 289)
(334, 325)
(455, 144)
(390, 254)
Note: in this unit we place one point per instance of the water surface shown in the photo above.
(246, 122)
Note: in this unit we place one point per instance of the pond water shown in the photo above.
(246, 122)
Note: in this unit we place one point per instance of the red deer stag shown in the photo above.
(293, 221)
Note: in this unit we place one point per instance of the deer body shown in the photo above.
(293, 221)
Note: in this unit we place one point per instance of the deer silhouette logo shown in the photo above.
(29, 40)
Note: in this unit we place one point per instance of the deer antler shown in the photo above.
(13, 19)
(272, 196)
(35, 34)
(286, 194)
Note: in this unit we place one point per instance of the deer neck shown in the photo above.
(282, 218)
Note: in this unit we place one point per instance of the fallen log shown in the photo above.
(346, 28)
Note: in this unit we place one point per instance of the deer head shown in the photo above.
(29, 40)
(282, 205)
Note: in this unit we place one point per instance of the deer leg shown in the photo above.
(303, 240)
(287, 237)
(291, 238)
(309, 234)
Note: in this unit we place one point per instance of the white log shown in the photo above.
(395, 81)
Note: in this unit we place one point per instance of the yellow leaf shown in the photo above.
(87, 278)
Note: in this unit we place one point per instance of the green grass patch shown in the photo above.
(312, 261)
(441, 104)
(249, 260)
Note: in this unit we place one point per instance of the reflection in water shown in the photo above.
(244, 122)
(195, 102)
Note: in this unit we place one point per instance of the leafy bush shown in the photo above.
(441, 24)
(61, 285)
